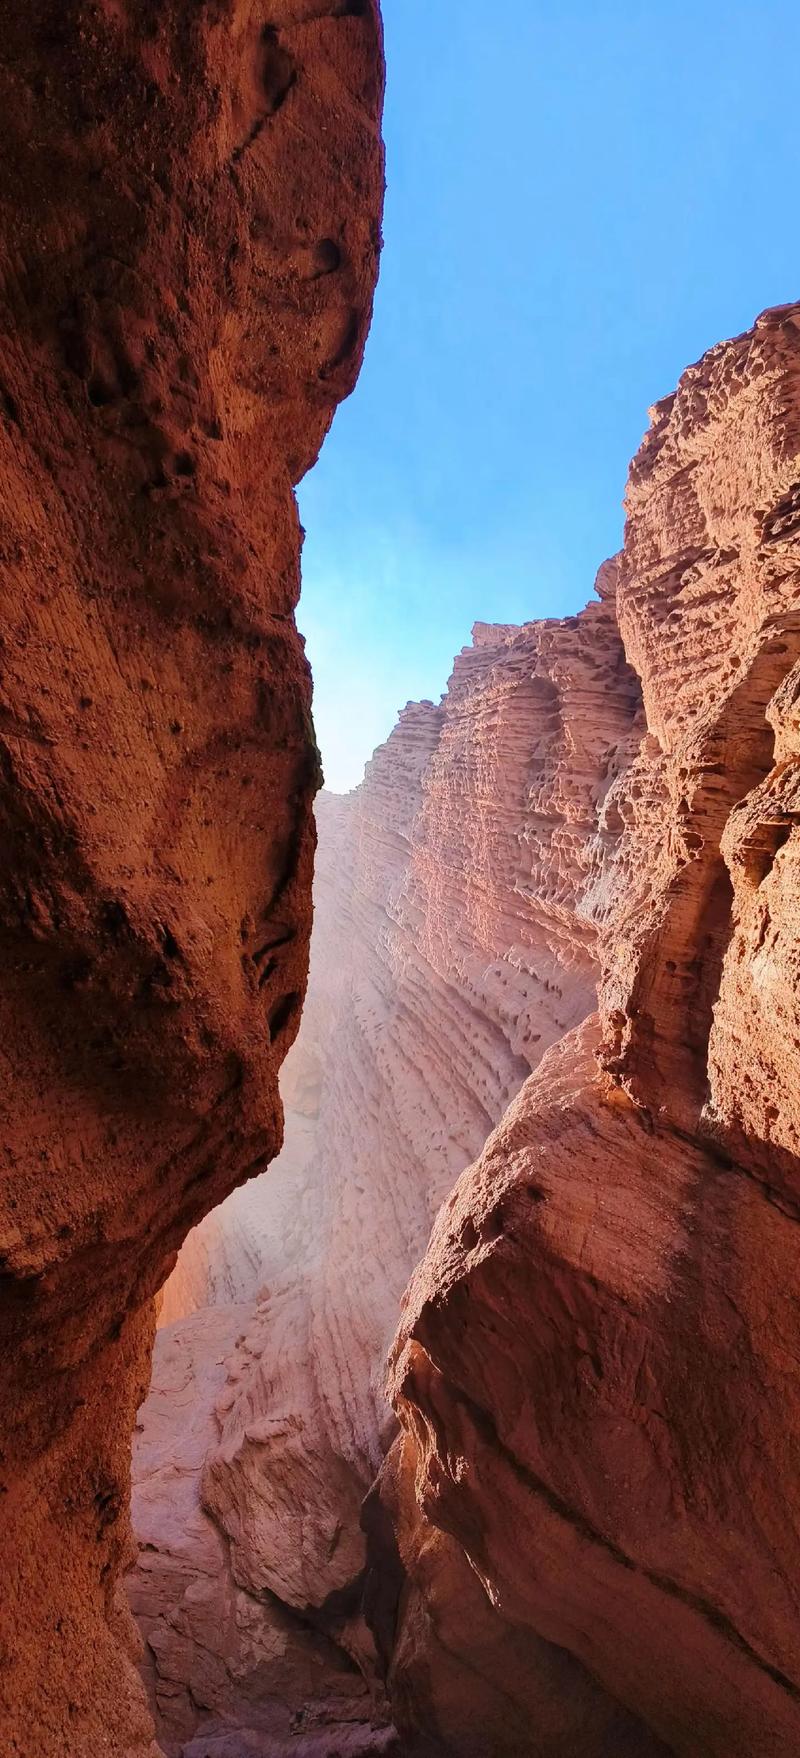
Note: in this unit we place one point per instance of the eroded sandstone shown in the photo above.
(447, 954)
(187, 281)
(226, 1664)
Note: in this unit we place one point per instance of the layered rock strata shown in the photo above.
(186, 287)
(445, 957)
(597, 1368)
(229, 1669)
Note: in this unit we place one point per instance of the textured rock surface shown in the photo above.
(597, 1369)
(224, 1665)
(467, 956)
(186, 287)
(462, 1678)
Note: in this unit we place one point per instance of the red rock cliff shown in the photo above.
(596, 1372)
(189, 214)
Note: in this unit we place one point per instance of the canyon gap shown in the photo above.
(555, 1013)
(562, 903)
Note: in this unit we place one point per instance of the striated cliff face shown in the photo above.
(597, 1371)
(447, 954)
(556, 936)
(186, 287)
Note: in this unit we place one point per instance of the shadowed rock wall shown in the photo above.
(189, 212)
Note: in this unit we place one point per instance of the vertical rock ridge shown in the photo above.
(185, 291)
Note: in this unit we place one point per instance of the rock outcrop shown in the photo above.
(187, 282)
(229, 1668)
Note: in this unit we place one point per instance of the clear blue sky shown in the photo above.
(582, 197)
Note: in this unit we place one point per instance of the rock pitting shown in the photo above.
(186, 288)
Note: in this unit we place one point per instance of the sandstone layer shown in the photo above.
(229, 1669)
(189, 213)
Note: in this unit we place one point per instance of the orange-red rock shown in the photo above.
(187, 280)
(597, 1368)
(596, 1371)
(462, 1677)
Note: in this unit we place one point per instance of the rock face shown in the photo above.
(596, 1371)
(186, 290)
(556, 936)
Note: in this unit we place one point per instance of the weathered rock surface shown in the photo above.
(187, 280)
(227, 1667)
(597, 1369)
(462, 1677)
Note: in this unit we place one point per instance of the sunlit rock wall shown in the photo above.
(556, 936)
(597, 1369)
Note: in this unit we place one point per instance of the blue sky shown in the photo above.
(582, 197)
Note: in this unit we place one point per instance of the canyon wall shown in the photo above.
(597, 1368)
(187, 276)
(556, 937)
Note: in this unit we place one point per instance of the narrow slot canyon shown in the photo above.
(515, 1145)
(399, 1288)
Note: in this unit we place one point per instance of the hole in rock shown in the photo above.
(278, 71)
(773, 837)
(282, 1012)
(99, 391)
